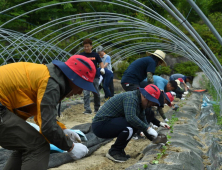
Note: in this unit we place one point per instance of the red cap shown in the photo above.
(82, 66)
(151, 92)
(170, 97)
(180, 79)
(80, 70)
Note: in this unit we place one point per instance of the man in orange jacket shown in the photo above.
(29, 89)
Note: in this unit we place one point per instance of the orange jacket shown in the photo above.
(24, 90)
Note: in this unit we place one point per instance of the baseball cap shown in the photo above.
(80, 70)
(169, 97)
(99, 48)
(151, 92)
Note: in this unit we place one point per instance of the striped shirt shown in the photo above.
(126, 105)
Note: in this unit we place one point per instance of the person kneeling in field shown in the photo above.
(122, 115)
(29, 89)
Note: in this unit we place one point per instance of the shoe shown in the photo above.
(87, 112)
(124, 153)
(183, 95)
(95, 111)
(182, 98)
(116, 156)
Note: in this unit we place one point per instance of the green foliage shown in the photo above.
(163, 70)
(122, 66)
(187, 68)
(145, 166)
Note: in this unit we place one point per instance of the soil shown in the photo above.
(74, 116)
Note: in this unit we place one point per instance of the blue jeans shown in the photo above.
(106, 83)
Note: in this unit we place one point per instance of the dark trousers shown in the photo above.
(106, 84)
(129, 86)
(179, 93)
(30, 149)
(116, 127)
(111, 88)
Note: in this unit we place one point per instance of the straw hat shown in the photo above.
(160, 54)
(178, 83)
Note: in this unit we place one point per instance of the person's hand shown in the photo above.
(173, 93)
(153, 126)
(166, 120)
(152, 132)
(165, 125)
(102, 71)
(79, 150)
(186, 92)
(72, 135)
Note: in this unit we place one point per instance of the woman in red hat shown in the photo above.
(29, 89)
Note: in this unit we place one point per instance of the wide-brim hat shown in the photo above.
(151, 92)
(169, 97)
(80, 70)
(178, 83)
(160, 54)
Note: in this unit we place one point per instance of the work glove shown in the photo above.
(173, 93)
(186, 92)
(79, 150)
(152, 132)
(102, 71)
(165, 125)
(72, 135)
(166, 120)
(153, 126)
(175, 107)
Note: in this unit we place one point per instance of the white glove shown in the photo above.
(102, 71)
(186, 92)
(166, 120)
(72, 135)
(78, 151)
(152, 132)
(165, 125)
(173, 93)
(188, 86)
(153, 126)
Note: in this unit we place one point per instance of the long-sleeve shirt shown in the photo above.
(126, 105)
(29, 89)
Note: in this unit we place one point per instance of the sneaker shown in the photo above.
(116, 156)
(183, 95)
(186, 92)
(87, 112)
(124, 153)
(182, 98)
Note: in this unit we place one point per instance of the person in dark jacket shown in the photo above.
(142, 68)
(95, 58)
(29, 89)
